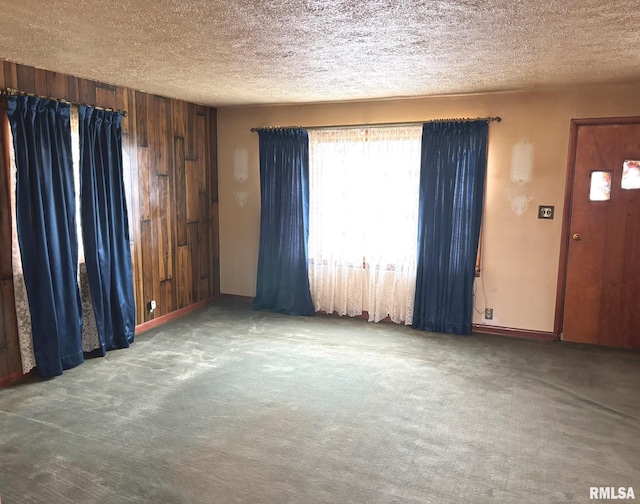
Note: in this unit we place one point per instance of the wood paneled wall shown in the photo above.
(170, 168)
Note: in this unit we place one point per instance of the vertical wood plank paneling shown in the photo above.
(10, 75)
(213, 154)
(146, 246)
(191, 146)
(201, 154)
(179, 118)
(180, 192)
(216, 277)
(122, 103)
(12, 348)
(154, 252)
(72, 87)
(215, 242)
(169, 140)
(170, 167)
(133, 202)
(141, 119)
(87, 92)
(145, 288)
(160, 135)
(185, 280)
(167, 301)
(192, 244)
(212, 198)
(163, 218)
(42, 87)
(185, 297)
(204, 201)
(191, 178)
(151, 132)
(143, 184)
(204, 234)
(26, 78)
(57, 85)
(205, 288)
(106, 96)
(153, 197)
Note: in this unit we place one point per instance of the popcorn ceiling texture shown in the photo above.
(220, 53)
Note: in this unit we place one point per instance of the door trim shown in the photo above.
(566, 213)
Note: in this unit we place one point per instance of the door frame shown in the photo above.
(566, 213)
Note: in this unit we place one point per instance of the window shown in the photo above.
(600, 189)
(75, 155)
(364, 190)
(631, 175)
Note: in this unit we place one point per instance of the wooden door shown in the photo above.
(602, 288)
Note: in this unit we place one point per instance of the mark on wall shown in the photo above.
(519, 202)
(241, 164)
(522, 162)
(521, 175)
(241, 197)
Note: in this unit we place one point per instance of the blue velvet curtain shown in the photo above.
(46, 225)
(283, 278)
(454, 161)
(105, 227)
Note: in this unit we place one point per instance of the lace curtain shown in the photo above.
(363, 220)
(23, 313)
(90, 340)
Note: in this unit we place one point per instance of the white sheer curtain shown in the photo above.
(363, 220)
(23, 313)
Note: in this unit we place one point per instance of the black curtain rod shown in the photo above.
(381, 125)
(12, 92)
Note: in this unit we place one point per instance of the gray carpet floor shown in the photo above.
(228, 405)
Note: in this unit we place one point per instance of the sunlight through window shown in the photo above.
(364, 188)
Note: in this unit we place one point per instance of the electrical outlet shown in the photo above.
(545, 211)
(488, 313)
(151, 305)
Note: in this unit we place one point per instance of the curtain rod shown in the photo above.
(11, 92)
(381, 125)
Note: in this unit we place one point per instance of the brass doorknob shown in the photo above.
(577, 237)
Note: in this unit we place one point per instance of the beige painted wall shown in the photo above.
(526, 168)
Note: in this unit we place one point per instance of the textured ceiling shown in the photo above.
(218, 52)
